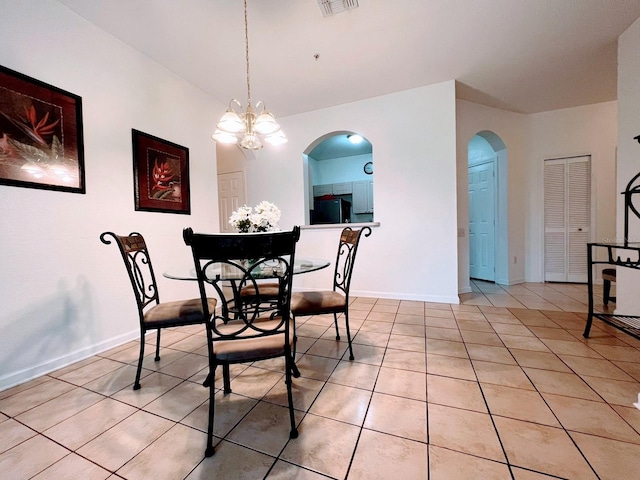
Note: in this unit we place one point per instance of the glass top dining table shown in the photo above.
(300, 265)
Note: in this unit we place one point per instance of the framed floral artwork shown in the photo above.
(41, 139)
(161, 175)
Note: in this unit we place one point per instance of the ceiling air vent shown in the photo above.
(331, 7)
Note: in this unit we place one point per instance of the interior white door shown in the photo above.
(567, 218)
(231, 195)
(482, 212)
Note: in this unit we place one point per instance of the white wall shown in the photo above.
(337, 170)
(412, 254)
(628, 300)
(587, 130)
(64, 294)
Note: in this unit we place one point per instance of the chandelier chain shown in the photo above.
(246, 48)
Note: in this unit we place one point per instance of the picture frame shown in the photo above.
(41, 135)
(161, 175)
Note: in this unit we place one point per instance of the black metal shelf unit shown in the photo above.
(626, 254)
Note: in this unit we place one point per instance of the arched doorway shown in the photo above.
(488, 240)
(339, 179)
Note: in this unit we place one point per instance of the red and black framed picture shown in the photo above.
(41, 140)
(161, 175)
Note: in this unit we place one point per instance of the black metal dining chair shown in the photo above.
(153, 314)
(334, 301)
(246, 329)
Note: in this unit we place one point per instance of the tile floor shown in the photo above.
(502, 386)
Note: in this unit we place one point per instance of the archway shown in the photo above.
(338, 169)
(488, 232)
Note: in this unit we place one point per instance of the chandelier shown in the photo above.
(248, 127)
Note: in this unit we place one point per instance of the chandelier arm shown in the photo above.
(246, 49)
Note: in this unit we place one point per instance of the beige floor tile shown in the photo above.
(381, 456)
(630, 414)
(88, 424)
(595, 367)
(376, 327)
(441, 321)
(397, 416)
(115, 381)
(191, 344)
(446, 347)
(329, 348)
(632, 369)
(30, 457)
(568, 384)
(381, 316)
(594, 418)
(118, 445)
(70, 466)
(441, 333)
(501, 374)
(287, 471)
(313, 331)
(185, 366)
(90, 372)
(232, 461)
(480, 325)
(511, 329)
(154, 385)
(353, 374)
(614, 352)
(455, 392)
(13, 433)
(58, 409)
(611, 459)
(320, 368)
(464, 431)
(24, 386)
(74, 366)
(405, 360)
(447, 464)
(542, 448)
(540, 360)
(450, 367)
(324, 445)
(229, 410)
(304, 392)
(255, 382)
(523, 342)
(405, 342)
(32, 397)
(409, 330)
(522, 474)
(470, 315)
(482, 338)
(614, 391)
(409, 317)
(366, 337)
(551, 333)
(266, 428)
(179, 402)
(443, 311)
(519, 404)
(489, 353)
(339, 402)
(402, 383)
(576, 348)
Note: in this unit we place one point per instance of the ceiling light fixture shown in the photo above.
(355, 138)
(247, 127)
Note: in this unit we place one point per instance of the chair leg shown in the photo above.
(210, 450)
(346, 321)
(289, 368)
(335, 322)
(606, 291)
(136, 384)
(158, 347)
(226, 378)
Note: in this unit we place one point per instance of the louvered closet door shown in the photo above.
(567, 218)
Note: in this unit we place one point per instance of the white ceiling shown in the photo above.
(521, 55)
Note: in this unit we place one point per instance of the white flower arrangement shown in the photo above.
(263, 218)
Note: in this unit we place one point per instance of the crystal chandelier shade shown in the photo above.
(248, 127)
